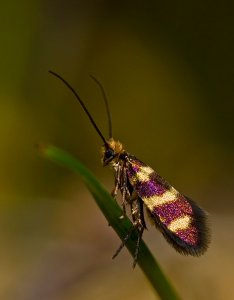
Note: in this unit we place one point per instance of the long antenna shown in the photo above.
(106, 104)
(81, 103)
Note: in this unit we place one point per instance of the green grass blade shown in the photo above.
(112, 212)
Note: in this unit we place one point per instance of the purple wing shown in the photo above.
(181, 221)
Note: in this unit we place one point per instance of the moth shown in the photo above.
(181, 221)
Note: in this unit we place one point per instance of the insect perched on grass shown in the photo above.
(181, 221)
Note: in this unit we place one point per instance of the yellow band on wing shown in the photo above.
(157, 200)
(144, 173)
(180, 223)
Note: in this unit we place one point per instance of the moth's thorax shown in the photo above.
(111, 152)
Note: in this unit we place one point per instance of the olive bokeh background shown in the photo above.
(168, 70)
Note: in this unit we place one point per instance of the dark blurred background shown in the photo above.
(168, 70)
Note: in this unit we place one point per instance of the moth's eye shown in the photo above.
(109, 153)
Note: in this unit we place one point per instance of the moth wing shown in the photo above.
(181, 221)
(184, 225)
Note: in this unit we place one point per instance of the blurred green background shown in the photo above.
(168, 70)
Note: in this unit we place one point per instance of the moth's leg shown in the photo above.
(138, 224)
(140, 230)
(124, 190)
(117, 180)
(138, 221)
(132, 212)
(140, 233)
(128, 235)
(141, 211)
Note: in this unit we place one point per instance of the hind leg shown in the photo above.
(138, 225)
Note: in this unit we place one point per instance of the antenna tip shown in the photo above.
(51, 72)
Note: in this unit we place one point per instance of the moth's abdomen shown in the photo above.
(180, 220)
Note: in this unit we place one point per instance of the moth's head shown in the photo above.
(110, 151)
